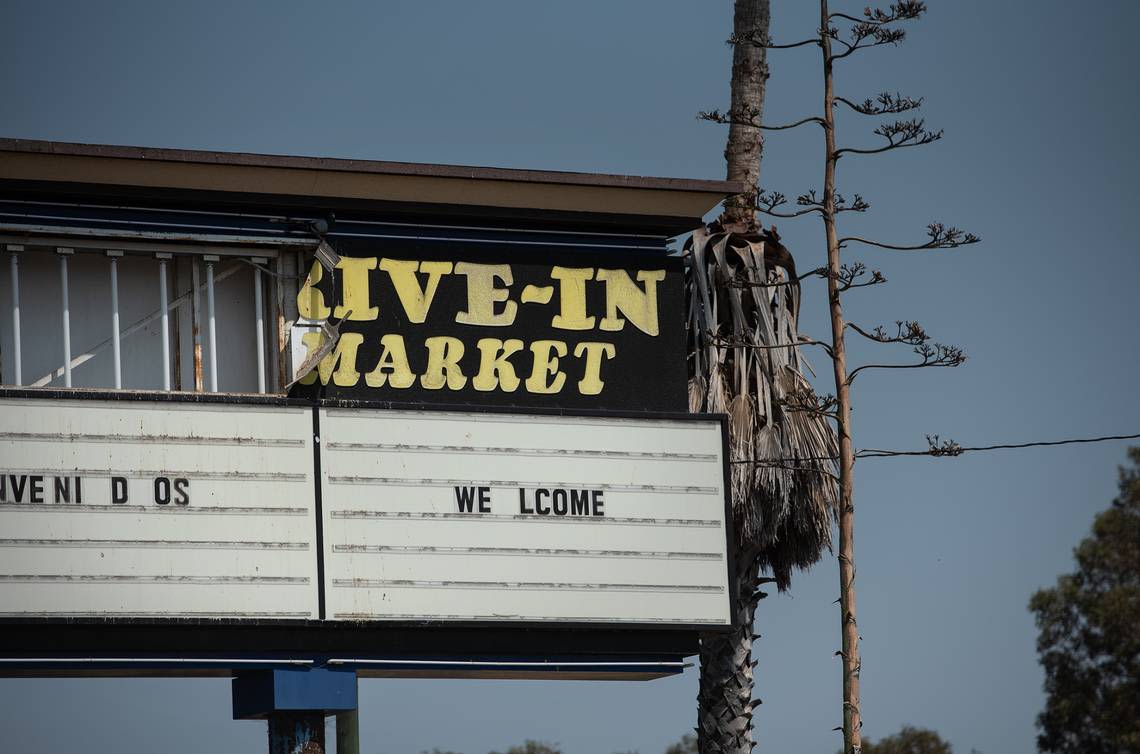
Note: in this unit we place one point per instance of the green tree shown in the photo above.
(687, 745)
(534, 747)
(1089, 635)
(909, 740)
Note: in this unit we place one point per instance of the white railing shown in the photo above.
(118, 333)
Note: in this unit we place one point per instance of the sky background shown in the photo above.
(1039, 160)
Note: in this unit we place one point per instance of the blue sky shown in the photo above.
(1039, 159)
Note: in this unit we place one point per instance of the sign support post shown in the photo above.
(295, 703)
(304, 733)
(297, 733)
(348, 732)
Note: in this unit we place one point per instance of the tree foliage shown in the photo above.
(1089, 635)
(687, 745)
(534, 747)
(909, 740)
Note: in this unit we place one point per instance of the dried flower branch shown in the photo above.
(809, 199)
(872, 29)
(750, 116)
(940, 237)
(900, 134)
(723, 342)
(910, 333)
(933, 355)
(807, 401)
(907, 10)
(849, 273)
(743, 282)
(767, 202)
(767, 43)
(884, 104)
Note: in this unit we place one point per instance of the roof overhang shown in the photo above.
(667, 203)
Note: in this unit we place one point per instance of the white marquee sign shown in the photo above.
(184, 509)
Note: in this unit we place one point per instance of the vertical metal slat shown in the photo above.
(196, 322)
(162, 303)
(17, 361)
(210, 323)
(116, 352)
(66, 310)
(259, 323)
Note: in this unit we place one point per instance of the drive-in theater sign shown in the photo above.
(284, 414)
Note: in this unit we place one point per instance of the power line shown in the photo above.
(953, 449)
(939, 449)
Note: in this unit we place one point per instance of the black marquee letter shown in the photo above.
(465, 498)
(181, 487)
(580, 502)
(162, 490)
(560, 506)
(538, 495)
(118, 490)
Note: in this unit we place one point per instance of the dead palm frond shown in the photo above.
(743, 303)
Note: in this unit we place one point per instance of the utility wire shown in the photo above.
(941, 449)
(953, 449)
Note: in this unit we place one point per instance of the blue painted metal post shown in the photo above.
(295, 702)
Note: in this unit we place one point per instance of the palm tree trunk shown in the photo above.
(745, 142)
(725, 697)
(783, 515)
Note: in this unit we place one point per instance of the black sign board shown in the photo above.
(472, 325)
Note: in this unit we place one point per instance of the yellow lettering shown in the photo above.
(482, 295)
(444, 353)
(415, 300)
(354, 289)
(545, 365)
(623, 295)
(310, 299)
(572, 298)
(494, 368)
(339, 364)
(533, 294)
(591, 382)
(393, 358)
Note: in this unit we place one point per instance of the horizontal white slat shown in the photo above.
(474, 530)
(466, 568)
(156, 600)
(514, 604)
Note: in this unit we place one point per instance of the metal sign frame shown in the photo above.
(396, 647)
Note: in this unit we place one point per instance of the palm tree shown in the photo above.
(743, 299)
(742, 304)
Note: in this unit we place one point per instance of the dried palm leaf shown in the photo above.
(743, 302)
